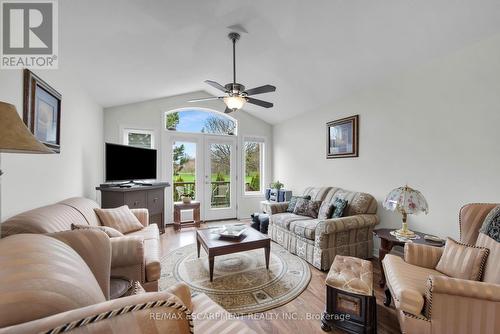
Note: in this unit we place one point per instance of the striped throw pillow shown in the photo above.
(121, 219)
(462, 261)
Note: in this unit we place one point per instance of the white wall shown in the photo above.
(150, 115)
(436, 128)
(35, 180)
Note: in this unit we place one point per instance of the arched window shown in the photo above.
(198, 120)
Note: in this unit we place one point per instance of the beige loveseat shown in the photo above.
(428, 301)
(136, 256)
(60, 283)
(318, 241)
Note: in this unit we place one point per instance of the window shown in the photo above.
(200, 121)
(139, 138)
(253, 165)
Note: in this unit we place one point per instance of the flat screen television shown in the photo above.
(129, 163)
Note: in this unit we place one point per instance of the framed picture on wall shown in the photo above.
(342, 138)
(42, 110)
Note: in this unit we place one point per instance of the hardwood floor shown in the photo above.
(302, 315)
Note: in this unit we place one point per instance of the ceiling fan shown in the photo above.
(235, 94)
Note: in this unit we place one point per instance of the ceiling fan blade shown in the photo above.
(261, 90)
(261, 103)
(227, 110)
(216, 85)
(207, 99)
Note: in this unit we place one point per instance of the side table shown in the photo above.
(180, 206)
(388, 241)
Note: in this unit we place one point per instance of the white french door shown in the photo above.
(205, 167)
(220, 178)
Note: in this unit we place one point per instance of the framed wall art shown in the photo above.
(342, 138)
(42, 110)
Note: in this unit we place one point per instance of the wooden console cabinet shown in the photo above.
(137, 197)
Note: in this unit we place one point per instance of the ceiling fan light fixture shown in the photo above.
(234, 102)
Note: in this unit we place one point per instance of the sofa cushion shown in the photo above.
(304, 228)
(408, 283)
(491, 268)
(121, 219)
(283, 220)
(317, 193)
(358, 202)
(462, 261)
(110, 232)
(293, 202)
(305, 207)
(86, 208)
(42, 276)
(326, 210)
(148, 232)
(47, 219)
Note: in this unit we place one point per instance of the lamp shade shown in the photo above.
(406, 200)
(15, 137)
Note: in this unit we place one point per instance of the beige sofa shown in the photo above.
(60, 283)
(318, 241)
(136, 256)
(431, 302)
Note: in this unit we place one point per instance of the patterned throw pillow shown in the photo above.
(462, 261)
(305, 207)
(293, 202)
(121, 219)
(111, 232)
(326, 210)
(491, 224)
(340, 205)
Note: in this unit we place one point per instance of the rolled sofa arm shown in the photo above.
(422, 255)
(450, 300)
(126, 251)
(272, 208)
(142, 215)
(463, 288)
(335, 225)
(162, 311)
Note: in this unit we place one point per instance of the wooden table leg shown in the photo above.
(268, 252)
(385, 248)
(196, 216)
(198, 246)
(211, 266)
(177, 219)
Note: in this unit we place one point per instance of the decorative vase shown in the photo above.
(186, 199)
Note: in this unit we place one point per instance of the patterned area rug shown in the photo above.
(241, 284)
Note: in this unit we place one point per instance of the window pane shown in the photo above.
(139, 139)
(253, 166)
(220, 168)
(197, 121)
(184, 170)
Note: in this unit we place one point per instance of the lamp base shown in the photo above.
(405, 233)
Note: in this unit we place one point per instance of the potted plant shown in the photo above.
(187, 196)
(277, 185)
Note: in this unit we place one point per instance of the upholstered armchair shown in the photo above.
(429, 301)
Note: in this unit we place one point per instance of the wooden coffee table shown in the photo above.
(214, 245)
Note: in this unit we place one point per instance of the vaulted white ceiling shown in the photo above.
(314, 51)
